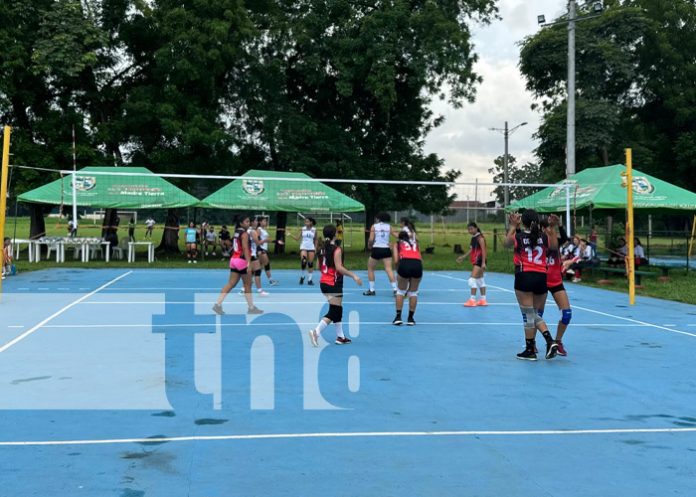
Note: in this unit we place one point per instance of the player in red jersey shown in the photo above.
(554, 281)
(530, 247)
(478, 253)
(408, 275)
(331, 284)
(240, 267)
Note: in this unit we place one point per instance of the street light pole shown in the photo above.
(570, 138)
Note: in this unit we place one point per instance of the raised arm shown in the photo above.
(515, 220)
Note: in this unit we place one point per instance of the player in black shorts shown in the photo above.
(531, 245)
(409, 274)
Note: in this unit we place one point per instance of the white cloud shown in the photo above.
(464, 141)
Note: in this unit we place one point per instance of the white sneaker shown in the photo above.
(576, 280)
(313, 338)
(263, 293)
(195, 261)
(189, 261)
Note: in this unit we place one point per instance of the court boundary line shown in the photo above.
(37, 327)
(607, 314)
(359, 434)
(308, 323)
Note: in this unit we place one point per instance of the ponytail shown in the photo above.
(530, 220)
(327, 250)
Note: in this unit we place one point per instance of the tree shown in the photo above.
(635, 68)
(527, 173)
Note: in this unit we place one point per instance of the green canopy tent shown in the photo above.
(293, 192)
(604, 188)
(100, 188)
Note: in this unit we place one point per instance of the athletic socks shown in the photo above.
(339, 330)
(320, 327)
(530, 344)
(309, 278)
(547, 336)
(372, 286)
(410, 315)
(393, 285)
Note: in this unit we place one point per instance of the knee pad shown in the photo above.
(335, 313)
(413, 294)
(472, 282)
(400, 292)
(480, 283)
(529, 317)
(257, 272)
(310, 264)
(304, 263)
(267, 267)
(566, 316)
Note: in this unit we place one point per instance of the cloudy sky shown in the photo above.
(464, 140)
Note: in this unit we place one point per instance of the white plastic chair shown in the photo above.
(122, 246)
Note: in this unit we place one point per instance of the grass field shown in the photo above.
(680, 287)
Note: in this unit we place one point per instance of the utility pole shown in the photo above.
(570, 137)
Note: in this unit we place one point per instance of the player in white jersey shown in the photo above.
(254, 243)
(380, 250)
(262, 249)
(308, 249)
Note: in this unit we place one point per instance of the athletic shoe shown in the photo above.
(254, 310)
(314, 338)
(411, 322)
(398, 321)
(189, 261)
(241, 292)
(273, 282)
(561, 349)
(195, 262)
(369, 293)
(343, 340)
(217, 309)
(310, 283)
(263, 293)
(301, 280)
(577, 280)
(482, 303)
(470, 303)
(394, 292)
(570, 272)
(551, 350)
(527, 355)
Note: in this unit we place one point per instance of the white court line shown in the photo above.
(636, 321)
(58, 313)
(606, 314)
(277, 288)
(267, 300)
(359, 434)
(312, 323)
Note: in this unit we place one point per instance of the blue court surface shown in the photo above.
(124, 383)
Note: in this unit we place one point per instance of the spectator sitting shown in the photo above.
(584, 259)
(225, 241)
(618, 255)
(7, 267)
(210, 240)
(639, 253)
(572, 249)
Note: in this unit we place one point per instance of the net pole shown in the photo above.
(693, 234)
(629, 228)
(4, 177)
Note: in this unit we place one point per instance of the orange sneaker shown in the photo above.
(482, 303)
(470, 303)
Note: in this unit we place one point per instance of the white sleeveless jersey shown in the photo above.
(252, 243)
(382, 232)
(411, 234)
(308, 236)
(263, 235)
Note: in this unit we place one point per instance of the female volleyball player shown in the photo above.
(530, 247)
(262, 250)
(254, 242)
(408, 227)
(409, 272)
(378, 243)
(191, 234)
(331, 284)
(240, 267)
(479, 255)
(554, 281)
(308, 249)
